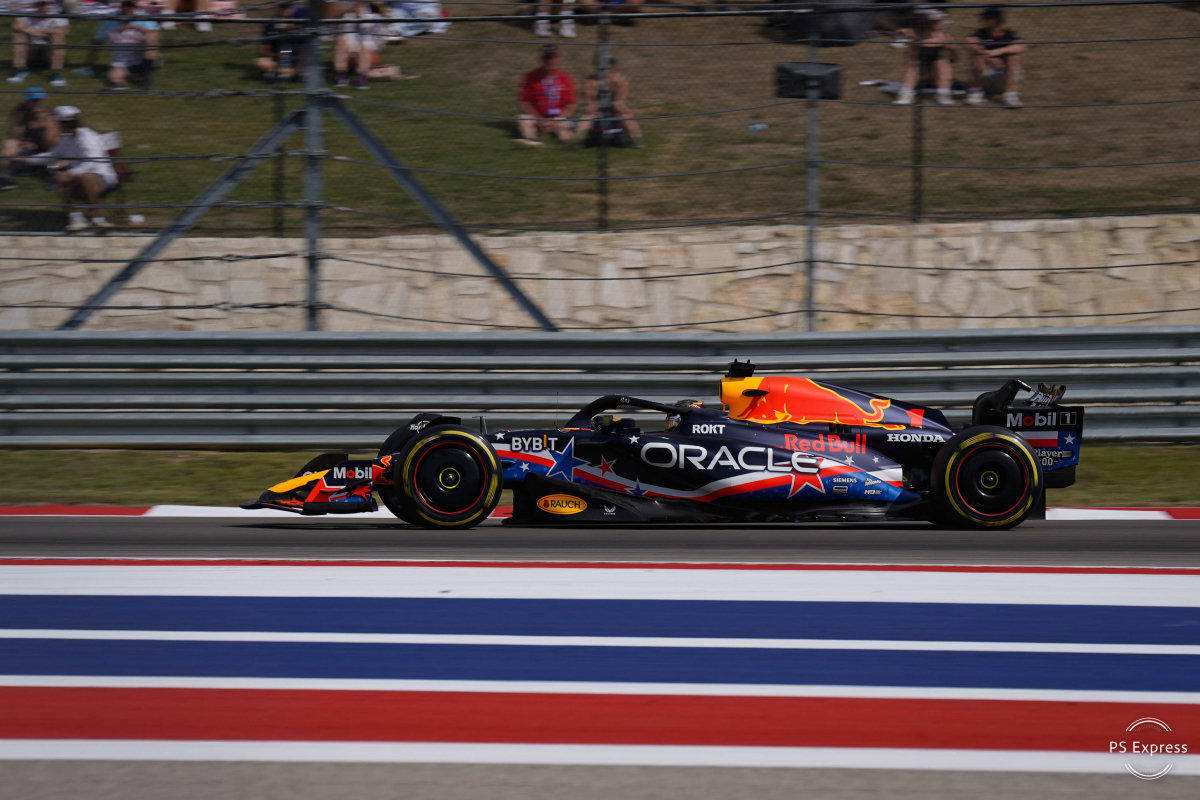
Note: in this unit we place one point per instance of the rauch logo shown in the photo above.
(561, 504)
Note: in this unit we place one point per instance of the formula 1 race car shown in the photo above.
(776, 449)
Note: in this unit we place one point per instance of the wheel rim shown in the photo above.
(991, 480)
(449, 478)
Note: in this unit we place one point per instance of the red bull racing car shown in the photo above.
(775, 449)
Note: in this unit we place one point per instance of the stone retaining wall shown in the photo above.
(753, 274)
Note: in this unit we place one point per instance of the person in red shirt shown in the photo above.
(547, 102)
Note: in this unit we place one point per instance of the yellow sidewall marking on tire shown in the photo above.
(487, 450)
(1022, 448)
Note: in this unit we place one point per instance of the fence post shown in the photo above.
(313, 143)
(812, 172)
(278, 190)
(918, 155)
(603, 67)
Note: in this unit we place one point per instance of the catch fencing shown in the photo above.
(1107, 127)
(338, 390)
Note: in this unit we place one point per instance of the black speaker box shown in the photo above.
(791, 79)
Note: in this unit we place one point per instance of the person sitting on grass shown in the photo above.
(547, 102)
(995, 60)
(40, 37)
(281, 54)
(131, 44)
(32, 130)
(619, 129)
(361, 42)
(930, 55)
(83, 171)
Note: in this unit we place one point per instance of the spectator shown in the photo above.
(995, 60)
(930, 55)
(31, 131)
(131, 47)
(418, 17)
(40, 37)
(566, 26)
(195, 7)
(618, 128)
(361, 42)
(83, 170)
(281, 56)
(622, 10)
(547, 102)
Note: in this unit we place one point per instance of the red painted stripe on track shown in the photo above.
(89, 511)
(296, 715)
(232, 562)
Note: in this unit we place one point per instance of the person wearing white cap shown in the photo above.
(84, 171)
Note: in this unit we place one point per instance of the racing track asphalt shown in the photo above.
(1167, 543)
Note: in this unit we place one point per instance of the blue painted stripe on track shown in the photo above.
(617, 664)
(675, 618)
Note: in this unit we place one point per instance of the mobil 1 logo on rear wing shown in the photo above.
(1054, 432)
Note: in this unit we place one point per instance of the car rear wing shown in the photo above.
(1054, 431)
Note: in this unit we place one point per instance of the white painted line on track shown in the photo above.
(607, 755)
(812, 585)
(1078, 514)
(602, 641)
(602, 687)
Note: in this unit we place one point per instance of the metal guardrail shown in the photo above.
(349, 390)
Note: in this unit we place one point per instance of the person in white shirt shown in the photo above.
(40, 33)
(84, 171)
(361, 42)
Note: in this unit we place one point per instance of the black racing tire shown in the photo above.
(391, 496)
(985, 478)
(449, 477)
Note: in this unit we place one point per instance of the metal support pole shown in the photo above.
(603, 68)
(918, 155)
(419, 193)
(812, 172)
(277, 213)
(215, 192)
(313, 145)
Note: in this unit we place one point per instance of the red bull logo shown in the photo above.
(799, 400)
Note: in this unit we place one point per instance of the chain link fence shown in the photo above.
(1110, 107)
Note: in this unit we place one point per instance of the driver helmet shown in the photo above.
(673, 421)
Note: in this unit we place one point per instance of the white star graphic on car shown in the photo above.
(500, 436)
(1070, 439)
(849, 459)
(876, 459)
(524, 466)
(633, 439)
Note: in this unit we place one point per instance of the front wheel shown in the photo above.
(391, 495)
(985, 477)
(448, 477)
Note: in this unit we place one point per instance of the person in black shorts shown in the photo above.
(33, 129)
(996, 53)
(929, 58)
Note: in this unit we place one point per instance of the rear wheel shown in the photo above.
(985, 477)
(449, 477)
